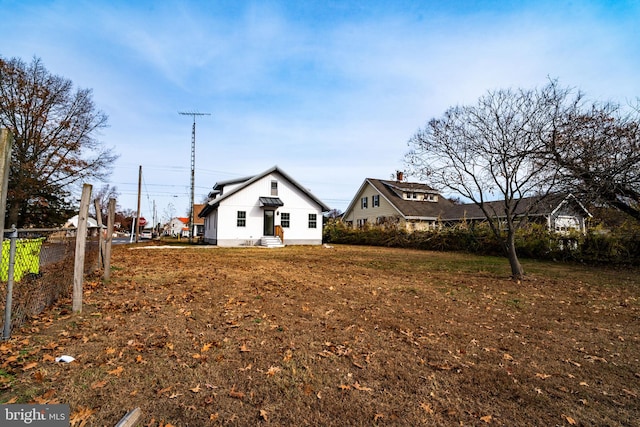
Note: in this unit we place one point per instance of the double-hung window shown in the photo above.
(313, 221)
(284, 219)
(364, 202)
(375, 200)
(242, 219)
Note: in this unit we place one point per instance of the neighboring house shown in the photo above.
(92, 225)
(268, 209)
(198, 222)
(178, 227)
(419, 207)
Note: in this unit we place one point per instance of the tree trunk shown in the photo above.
(517, 272)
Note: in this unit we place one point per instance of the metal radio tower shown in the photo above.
(193, 168)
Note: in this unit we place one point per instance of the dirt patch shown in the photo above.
(336, 336)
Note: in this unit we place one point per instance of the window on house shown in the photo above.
(362, 222)
(242, 219)
(313, 221)
(274, 188)
(364, 202)
(375, 201)
(284, 220)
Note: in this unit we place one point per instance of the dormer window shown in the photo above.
(431, 197)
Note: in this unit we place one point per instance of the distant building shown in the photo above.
(417, 206)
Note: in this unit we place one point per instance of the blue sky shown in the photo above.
(328, 90)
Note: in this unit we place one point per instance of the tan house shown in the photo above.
(417, 206)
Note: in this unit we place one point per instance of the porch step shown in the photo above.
(271, 242)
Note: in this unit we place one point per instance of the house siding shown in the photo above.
(296, 203)
(371, 213)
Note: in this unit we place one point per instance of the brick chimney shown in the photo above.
(399, 176)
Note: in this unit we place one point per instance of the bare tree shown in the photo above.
(54, 130)
(491, 151)
(103, 195)
(598, 152)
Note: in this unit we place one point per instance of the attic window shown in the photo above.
(431, 198)
(274, 188)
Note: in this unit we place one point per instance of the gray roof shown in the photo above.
(245, 182)
(447, 210)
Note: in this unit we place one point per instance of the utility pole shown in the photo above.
(193, 168)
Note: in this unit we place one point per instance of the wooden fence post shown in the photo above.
(100, 260)
(81, 241)
(6, 140)
(107, 248)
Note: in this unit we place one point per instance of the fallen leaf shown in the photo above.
(507, 356)
(213, 417)
(427, 408)
(81, 415)
(487, 418)
(377, 417)
(196, 389)
(39, 376)
(98, 384)
(357, 386)
(234, 393)
(287, 355)
(263, 414)
(570, 420)
(110, 350)
(169, 346)
(164, 390)
(116, 371)
(174, 395)
(139, 358)
(48, 358)
(29, 366)
(244, 349)
(205, 348)
(542, 376)
(196, 356)
(273, 370)
(344, 387)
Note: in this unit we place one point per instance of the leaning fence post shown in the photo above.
(81, 240)
(107, 246)
(6, 334)
(100, 260)
(6, 140)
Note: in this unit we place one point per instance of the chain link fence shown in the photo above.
(42, 269)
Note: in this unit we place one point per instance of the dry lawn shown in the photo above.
(336, 336)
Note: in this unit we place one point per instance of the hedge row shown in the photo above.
(534, 241)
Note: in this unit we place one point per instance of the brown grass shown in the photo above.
(336, 336)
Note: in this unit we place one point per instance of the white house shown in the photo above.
(268, 209)
(178, 227)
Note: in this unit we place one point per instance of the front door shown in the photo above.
(269, 223)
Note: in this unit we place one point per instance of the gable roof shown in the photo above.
(247, 181)
(392, 191)
(447, 210)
